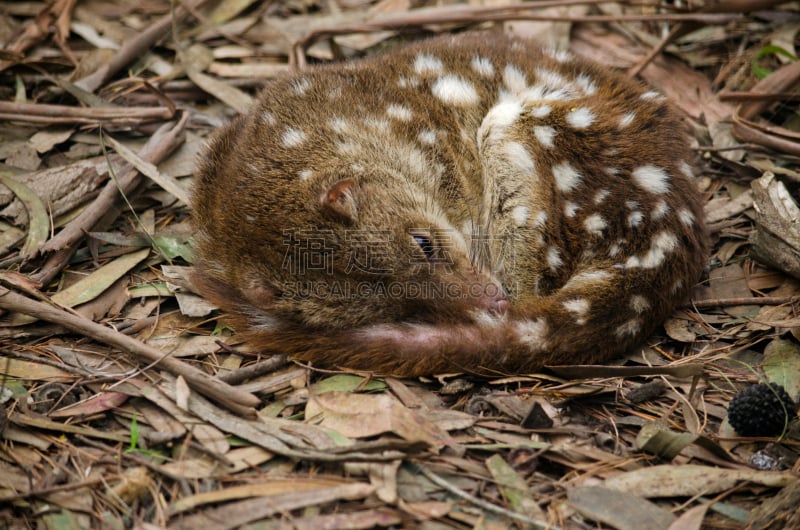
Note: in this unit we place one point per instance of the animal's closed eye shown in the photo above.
(426, 245)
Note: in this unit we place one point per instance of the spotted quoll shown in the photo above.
(464, 204)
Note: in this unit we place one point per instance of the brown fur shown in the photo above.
(427, 168)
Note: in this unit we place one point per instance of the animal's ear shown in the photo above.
(339, 201)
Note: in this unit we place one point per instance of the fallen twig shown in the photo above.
(460, 14)
(228, 396)
(51, 114)
(168, 137)
(730, 302)
(134, 48)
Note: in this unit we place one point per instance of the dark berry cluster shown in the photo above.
(761, 410)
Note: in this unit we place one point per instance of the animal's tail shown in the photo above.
(591, 319)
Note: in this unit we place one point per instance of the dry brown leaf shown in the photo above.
(690, 480)
(731, 282)
(364, 415)
(619, 509)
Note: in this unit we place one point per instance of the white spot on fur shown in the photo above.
(268, 118)
(300, 86)
(635, 218)
(550, 78)
(399, 112)
(532, 333)
(427, 136)
(541, 92)
(541, 219)
(613, 250)
(595, 224)
(261, 320)
(497, 120)
(520, 214)
(514, 79)
(586, 84)
(406, 82)
(629, 328)
(482, 66)
(339, 125)
(567, 177)
(651, 178)
(589, 278)
(652, 95)
(415, 160)
(378, 124)
(427, 64)
(519, 157)
(631, 204)
(570, 209)
(626, 120)
(561, 56)
(503, 115)
(659, 210)
(639, 303)
(544, 134)
(541, 111)
(486, 320)
(686, 169)
(579, 307)
(601, 195)
(292, 137)
(348, 148)
(686, 216)
(611, 171)
(580, 118)
(305, 174)
(358, 168)
(554, 260)
(454, 90)
(662, 244)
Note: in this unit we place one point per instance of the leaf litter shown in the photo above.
(125, 403)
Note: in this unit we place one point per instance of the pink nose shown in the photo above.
(499, 306)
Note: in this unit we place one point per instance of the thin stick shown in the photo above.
(134, 48)
(469, 14)
(642, 64)
(728, 302)
(165, 140)
(228, 396)
(488, 506)
(234, 377)
(87, 114)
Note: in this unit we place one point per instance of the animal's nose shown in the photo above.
(499, 306)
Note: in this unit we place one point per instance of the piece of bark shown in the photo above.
(776, 240)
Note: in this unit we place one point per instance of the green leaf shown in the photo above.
(348, 383)
(173, 247)
(657, 439)
(38, 220)
(513, 487)
(134, 435)
(771, 49)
